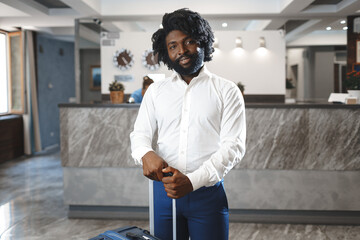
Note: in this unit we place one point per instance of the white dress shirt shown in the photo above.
(201, 126)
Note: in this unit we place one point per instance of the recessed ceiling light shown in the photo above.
(328, 28)
(345, 28)
(343, 22)
(224, 25)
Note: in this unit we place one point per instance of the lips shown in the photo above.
(183, 60)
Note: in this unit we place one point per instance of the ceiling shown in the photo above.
(300, 19)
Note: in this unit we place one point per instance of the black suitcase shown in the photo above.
(126, 233)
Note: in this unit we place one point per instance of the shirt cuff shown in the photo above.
(139, 153)
(198, 178)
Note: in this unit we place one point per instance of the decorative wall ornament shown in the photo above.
(95, 77)
(150, 60)
(123, 59)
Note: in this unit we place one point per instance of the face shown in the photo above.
(185, 55)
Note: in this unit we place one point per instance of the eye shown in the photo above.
(190, 42)
(172, 47)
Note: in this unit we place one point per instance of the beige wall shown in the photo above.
(262, 71)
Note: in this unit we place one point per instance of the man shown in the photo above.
(137, 96)
(200, 122)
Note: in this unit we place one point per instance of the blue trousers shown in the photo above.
(202, 214)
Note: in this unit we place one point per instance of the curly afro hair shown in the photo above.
(190, 23)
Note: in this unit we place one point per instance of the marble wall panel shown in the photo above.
(334, 139)
(326, 139)
(277, 138)
(105, 187)
(293, 190)
(246, 189)
(96, 137)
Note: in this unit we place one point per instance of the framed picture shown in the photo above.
(95, 78)
(358, 51)
(356, 67)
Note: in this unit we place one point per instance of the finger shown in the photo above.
(172, 196)
(169, 186)
(150, 176)
(153, 177)
(167, 179)
(168, 169)
(146, 174)
(170, 191)
(159, 175)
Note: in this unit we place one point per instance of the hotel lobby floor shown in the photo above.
(32, 208)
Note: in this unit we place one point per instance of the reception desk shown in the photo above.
(301, 165)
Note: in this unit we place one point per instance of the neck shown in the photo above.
(188, 78)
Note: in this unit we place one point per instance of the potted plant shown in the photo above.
(352, 84)
(241, 87)
(116, 92)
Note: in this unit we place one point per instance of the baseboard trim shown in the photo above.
(108, 212)
(236, 215)
(295, 217)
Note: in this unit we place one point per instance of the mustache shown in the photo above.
(191, 56)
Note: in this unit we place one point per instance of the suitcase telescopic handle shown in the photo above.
(169, 174)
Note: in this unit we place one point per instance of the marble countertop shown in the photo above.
(248, 105)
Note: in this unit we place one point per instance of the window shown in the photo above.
(4, 96)
(16, 78)
(11, 73)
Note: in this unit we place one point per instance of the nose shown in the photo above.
(182, 49)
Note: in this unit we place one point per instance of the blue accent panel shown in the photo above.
(56, 84)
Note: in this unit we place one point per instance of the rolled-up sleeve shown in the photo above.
(144, 127)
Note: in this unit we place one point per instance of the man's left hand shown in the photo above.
(178, 185)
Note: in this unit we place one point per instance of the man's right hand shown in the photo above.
(153, 165)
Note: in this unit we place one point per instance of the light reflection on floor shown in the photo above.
(4, 217)
(32, 208)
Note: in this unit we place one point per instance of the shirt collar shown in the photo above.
(204, 73)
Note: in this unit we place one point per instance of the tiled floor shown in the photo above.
(31, 208)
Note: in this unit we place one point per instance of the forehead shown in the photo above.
(175, 36)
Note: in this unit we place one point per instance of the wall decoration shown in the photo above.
(150, 60)
(123, 59)
(356, 67)
(124, 78)
(95, 80)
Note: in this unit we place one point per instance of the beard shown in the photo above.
(196, 60)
